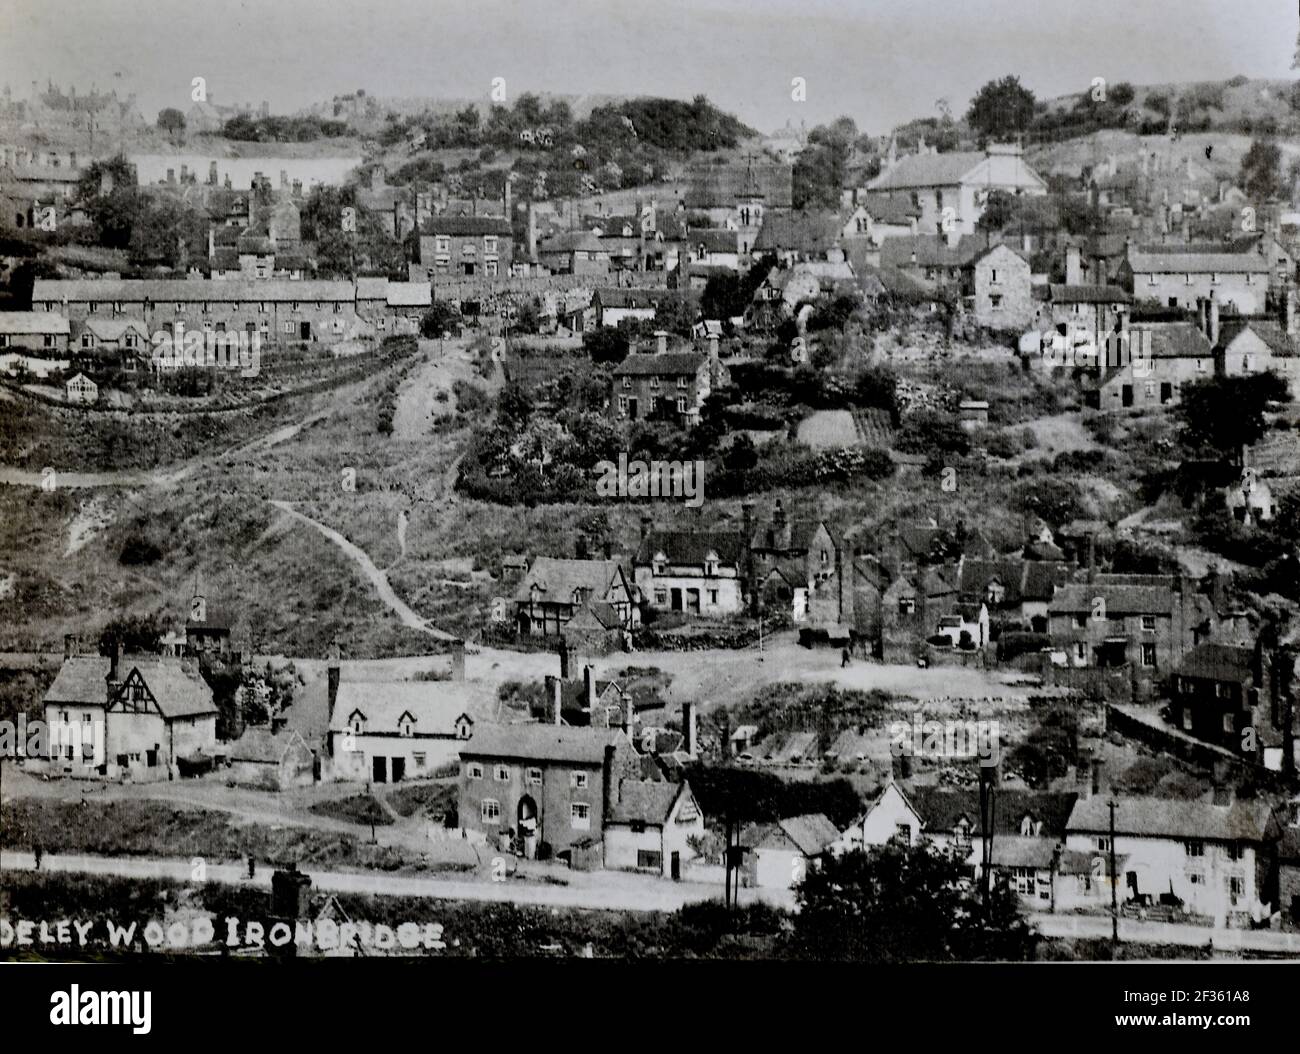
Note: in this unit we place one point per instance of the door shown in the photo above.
(632, 409)
(676, 600)
(693, 601)
(151, 757)
(1166, 391)
(676, 865)
(378, 769)
(399, 769)
(1127, 395)
(304, 330)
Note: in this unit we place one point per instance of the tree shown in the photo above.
(108, 191)
(1001, 108)
(170, 232)
(171, 121)
(905, 904)
(135, 633)
(1261, 170)
(1222, 414)
(440, 319)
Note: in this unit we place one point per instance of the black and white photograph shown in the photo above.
(538, 488)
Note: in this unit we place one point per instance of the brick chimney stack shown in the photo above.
(114, 679)
(589, 687)
(688, 730)
(661, 341)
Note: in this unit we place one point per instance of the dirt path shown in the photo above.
(375, 576)
(418, 405)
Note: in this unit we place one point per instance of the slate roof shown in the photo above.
(941, 809)
(815, 232)
(614, 296)
(542, 742)
(671, 363)
(929, 170)
(259, 745)
(133, 290)
(571, 241)
(1077, 598)
(465, 226)
(1219, 662)
(890, 208)
(810, 834)
(1019, 851)
(688, 547)
(1241, 821)
(559, 577)
(715, 239)
(1150, 259)
(1088, 294)
(14, 323)
(178, 688)
(1021, 579)
(115, 328)
(932, 250)
(1273, 335)
(646, 801)
(435, 705)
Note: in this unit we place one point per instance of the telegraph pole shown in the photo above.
(1114, 891)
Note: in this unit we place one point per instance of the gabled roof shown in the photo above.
(1273, 335)
(943, 808)
(688, 548)
(115, 328)
(645, 801)
(542, 742)
(558, 578)
(177, 686)
(1240, 821)
(811, 834)
(1021, 579)
(715, 239)
(929, 170)
(260, 745)
(435, 705)
(571, 241)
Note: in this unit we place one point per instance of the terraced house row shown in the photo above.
(280, 311)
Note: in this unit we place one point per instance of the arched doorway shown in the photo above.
(526, 816)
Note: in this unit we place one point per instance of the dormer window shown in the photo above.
(654, 381)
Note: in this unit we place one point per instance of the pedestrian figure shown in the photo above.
(252, 866)
(38, 852)
(844, 657)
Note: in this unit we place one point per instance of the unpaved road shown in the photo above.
(376, 577)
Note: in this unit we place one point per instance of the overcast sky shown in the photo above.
(880, 61)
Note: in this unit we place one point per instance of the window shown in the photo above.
(87, 340)
(1237, 889)
(490, 266)
(1223, 691)
(1236, 852)
(288, 326)
(580, 816)
(578, 780)
(622, 404)
(1195, 849)
(661, 596)
(489, 244)
(491, 810)
(442, 244)
(681, 382)
(1148, 654)
(4, 340)
(1149, 623)
(994, 276)
(627, 382)
(263, 308)
(1103, 844)
(681, 406)
(654, 381)
(713, 596)
(1081, 621)
(534, 776)
(1080, 651)
(906, 605)
(475, 770)
(649, 860)
(501, 773)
